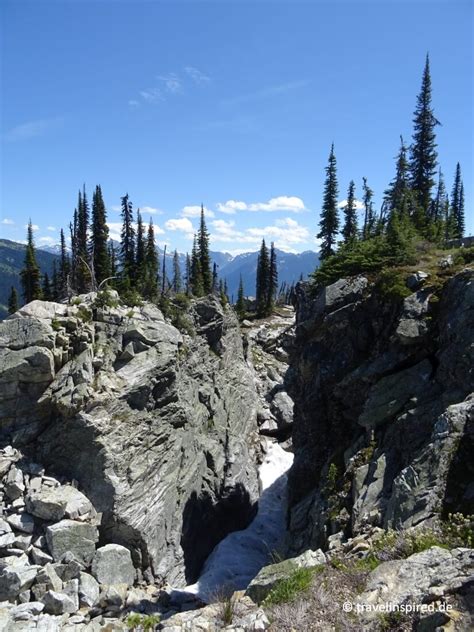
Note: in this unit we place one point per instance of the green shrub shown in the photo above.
(131, 298)
(363, 257)
(287, 589)
(331, 479)
(133, 621)
(105, 299)
(150, 621)
(458, 530)
(84, 314)
(391, 285)
(55, 324)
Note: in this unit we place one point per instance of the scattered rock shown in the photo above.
(112, 565)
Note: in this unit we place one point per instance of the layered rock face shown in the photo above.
(157, 426)
(384, 411)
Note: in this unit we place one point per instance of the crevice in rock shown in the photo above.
(206, 523)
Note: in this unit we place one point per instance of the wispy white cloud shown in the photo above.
(152, 95)
(266, 93)
(172, 83)
(280, 203)
(33, 226)
(182, 224)
(196, 75)
(195, 211)
(359, 206)
(7, 222)
(133, 103)
(32, 129)
(150, 210)
(51, 228)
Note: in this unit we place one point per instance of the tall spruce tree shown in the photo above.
(423, 154)
(329, 222)
(240, 305)
(127, 247)
(396, 193)
(188, 274)
(55, 284)
(196, 284)
(204, 256)
(46, 290)
(457, 205)
(64, 267)
(13, 301)
(99, 237)
(140, 251)
(349, 231)
(215, 280)
(177, 281)
(262, 280)
(369, 215)
(30, 275)
(150, 288)
(272, 280)
(83, 277)
(73, 268)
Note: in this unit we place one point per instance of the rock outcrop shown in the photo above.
(158, 427)
(384, 411)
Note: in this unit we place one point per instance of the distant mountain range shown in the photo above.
(290, 267)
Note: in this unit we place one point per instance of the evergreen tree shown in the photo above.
(73, 233)
(99, 237)
(127, 248)
(240, 305)
(396, 193)
(188, 274)
(214, 278)
(13, 301)
(164, 280)
(263, 280)
(349, 232)
(457, 205)
(140, 251)
(113, 261)
(83, 277)
(196, 274)
(30, 275)
(423, 154)
(272, 280)
(439, 203)
(204, 256)
(177, 283)
(64, 267)
(369, 215)
(150, 289)
(47, 294)
(329, 223)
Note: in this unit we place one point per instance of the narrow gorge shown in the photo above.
(158, 468)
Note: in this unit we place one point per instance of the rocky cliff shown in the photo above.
(384, 412)
(156, 425)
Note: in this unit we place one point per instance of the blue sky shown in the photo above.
(233, 104)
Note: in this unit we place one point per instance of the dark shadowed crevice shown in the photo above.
(206, 523)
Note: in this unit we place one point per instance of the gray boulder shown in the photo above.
(16, 579)
(112, 564)
(79, 538)
(58, 603)
(55, 503)
(7, 536)
(269, 576)
(89, 590)
(22, 522)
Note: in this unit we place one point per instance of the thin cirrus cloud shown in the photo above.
(195, 211)
(32, 129)
(281, 203)
(7, 222)
(47, 241)
(170, 84)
